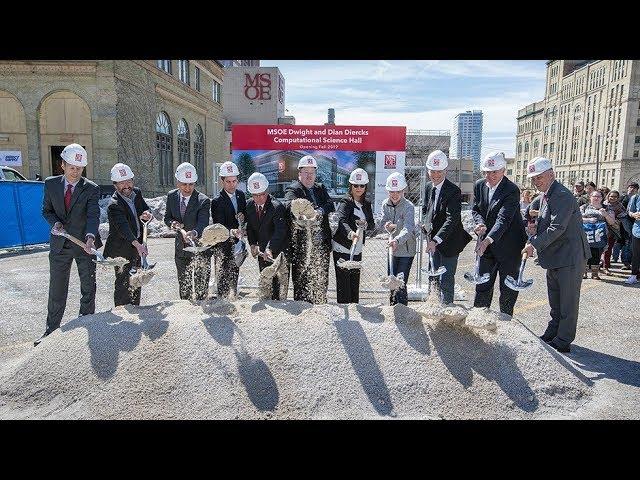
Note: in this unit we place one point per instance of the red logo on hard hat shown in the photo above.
(532, 168)
(310, 161)
(389, 161)
(256, 185)
(394, 183)
(79, 157)
(358, 176)
(491, 162)
(436, 162)
(229, 168)
(187, 174)
(123, 172)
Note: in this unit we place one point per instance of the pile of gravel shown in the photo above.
(288, 360)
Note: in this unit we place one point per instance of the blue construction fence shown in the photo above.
(21, 220)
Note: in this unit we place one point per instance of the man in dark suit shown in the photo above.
(125, 211)
(188, 209)
(71, 204)
(442, 211)
(496, 212)
(562, 248)
(224, 210)
(266, 225)
(310, 282)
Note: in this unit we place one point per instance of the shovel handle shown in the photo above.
(525, 255)
(73, 239)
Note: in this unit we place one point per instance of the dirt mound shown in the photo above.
(289, 359)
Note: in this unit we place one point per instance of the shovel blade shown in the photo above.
(434, 273)
(476, 279)
(513, 284)
(196, 249)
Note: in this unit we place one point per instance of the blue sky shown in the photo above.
(420, 94)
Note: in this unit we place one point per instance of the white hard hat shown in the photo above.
(537, 166)
(186, 173)
(359, 177)
(121, 172)
(257, 183)
(307, 161)
(229, 169)
(75, 155)
(437, 160)
(492, 162)
(396, 182)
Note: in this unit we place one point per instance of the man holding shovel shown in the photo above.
(266, 227)
(355, 216)
(71, 205)
(188, 210)
(126, 210)
(563, 249)
(229, 206)
(496, 212)
(443, 204)
(310, 281)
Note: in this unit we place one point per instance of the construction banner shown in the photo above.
(274, 150)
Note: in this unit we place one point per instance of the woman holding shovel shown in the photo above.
(354, 217)
(399, 221)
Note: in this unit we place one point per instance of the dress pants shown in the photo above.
(123, 294)
(59, 272)
(347, 281)
(484, 291)
(563, 289)
(447, 279)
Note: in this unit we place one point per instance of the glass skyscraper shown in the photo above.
(466, 136)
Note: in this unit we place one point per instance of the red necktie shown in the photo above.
(67, 197)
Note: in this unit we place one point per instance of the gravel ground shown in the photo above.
(605, 356)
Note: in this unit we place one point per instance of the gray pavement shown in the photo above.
(606, 349)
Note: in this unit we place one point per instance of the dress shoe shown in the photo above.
(559, 348)
(37, 342)
(547, 336)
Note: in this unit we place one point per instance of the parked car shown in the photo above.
(10, 174)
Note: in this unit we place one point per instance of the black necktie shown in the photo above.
(433, 198)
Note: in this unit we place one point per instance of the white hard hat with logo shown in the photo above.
(537, 166)
(359, 177)
(121, 172)
(396, 182)
(75, 154)
(229, 169)
(186, 173)
(437, 160)
(307, 161)
(492, 162)
(257, 183)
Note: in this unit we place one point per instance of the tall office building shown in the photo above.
(588, 124)
(466, 136)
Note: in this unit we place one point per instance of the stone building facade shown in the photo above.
(588, 123)
(150, 114)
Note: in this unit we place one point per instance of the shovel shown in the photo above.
(351, 264)
(193, 248)
(430, 270)
(392, 282)
(100, 260)
(475, 277)
(240, 250)
(145, 263)
(520, 284)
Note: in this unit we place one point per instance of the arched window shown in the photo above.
(526, 147)
(183, 142)
(198, 153)
(536, 144)
(519, 148)
(164, 145)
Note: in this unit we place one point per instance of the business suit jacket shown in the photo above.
(122, 226)
(222, 210)
(560, 239)
(445, 218)
(297, 190)
(196, 217)
(347, 220)
(271, 228)
(83, 216)
(502, 218)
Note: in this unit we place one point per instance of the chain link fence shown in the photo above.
(374, 254)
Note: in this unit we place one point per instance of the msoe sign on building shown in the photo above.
(253, 95)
